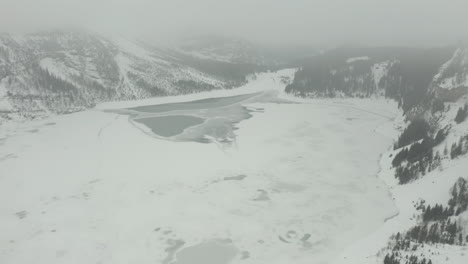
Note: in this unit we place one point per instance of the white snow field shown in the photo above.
(299, 185)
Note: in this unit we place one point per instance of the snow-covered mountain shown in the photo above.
(453, 74)
(404, 74)
(426, 172)
(452, 80)
(225, 49)
(69, 71)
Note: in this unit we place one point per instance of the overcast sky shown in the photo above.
(329, 22)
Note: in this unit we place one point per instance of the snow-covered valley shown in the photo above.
(233, 132)
(296, 186)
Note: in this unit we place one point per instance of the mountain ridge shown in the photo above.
(67, 71)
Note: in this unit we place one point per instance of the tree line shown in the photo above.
(395, 258)
(415, 160)
(437, 226)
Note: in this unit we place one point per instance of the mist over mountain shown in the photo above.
(233, 132)
(266, 22)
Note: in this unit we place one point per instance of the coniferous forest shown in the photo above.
(437, 225)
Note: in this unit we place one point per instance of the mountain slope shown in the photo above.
(432, 226)
(426, 168)
(403, 74)
(63, 72)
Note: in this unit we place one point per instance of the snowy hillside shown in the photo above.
(454, 73)
(68, 71)
(403, 74)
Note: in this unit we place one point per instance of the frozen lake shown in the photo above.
(210, 252)
(168, 126)
(195, 105)
(203, 121)
(298, 185)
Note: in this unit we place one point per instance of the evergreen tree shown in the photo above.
(461, 114)
(416, 130)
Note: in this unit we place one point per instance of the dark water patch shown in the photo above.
(202, 140)
(174, 245)
(305, 237)
(283, 240)
(256, 110)
(235, 178)
(194, 105)
(220, 128)
(291, 234)
(94, 181)
(21, 214)
(7, 157)
(168, 126)
(262, 196)
(245, 255)
(203, 121)
(210, 252)
(292, 237)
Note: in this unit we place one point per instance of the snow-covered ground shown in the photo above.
(299, 185)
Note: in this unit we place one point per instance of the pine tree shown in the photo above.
(461, 114)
